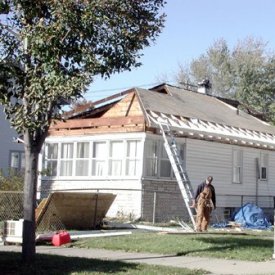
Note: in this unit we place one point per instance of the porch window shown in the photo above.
(151, 158)
(133, 157)
(50, 160)
(237, 166)
(82, 159)
(165, 165)
(116, 158)
(181, 150)
(66, 161)
(263, 166)
(99, 156)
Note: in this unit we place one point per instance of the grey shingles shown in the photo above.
(189, 104)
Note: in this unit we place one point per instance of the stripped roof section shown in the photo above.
(189, 113)
(188, 104)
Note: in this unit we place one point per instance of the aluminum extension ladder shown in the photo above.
(180, 174)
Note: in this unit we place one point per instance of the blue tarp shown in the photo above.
(251, 216)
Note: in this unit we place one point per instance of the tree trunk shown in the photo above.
(30, 186)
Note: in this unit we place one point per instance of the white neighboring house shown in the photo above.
(11, 152)
(116, 146)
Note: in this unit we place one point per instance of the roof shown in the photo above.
(191, 114)
(188, 104)
(206, 117)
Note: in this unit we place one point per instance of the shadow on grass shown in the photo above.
(10, 263)
(216, 244)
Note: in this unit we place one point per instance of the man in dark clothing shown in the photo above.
(202, 203)
(200, 188)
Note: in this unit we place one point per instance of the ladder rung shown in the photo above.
(177, 165)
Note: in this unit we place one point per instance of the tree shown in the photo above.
(245, 73)
(50, 51)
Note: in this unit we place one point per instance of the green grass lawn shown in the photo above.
(10, 263)
(250, 246)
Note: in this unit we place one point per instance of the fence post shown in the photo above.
(154, 206)
(95, 216)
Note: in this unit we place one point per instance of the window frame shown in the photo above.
(21, 160)
(135, 159)
(95, 160)
(237, 164)
(85, 159)
(121, 154)
(160, 158)
(67, 160)
(264, 161)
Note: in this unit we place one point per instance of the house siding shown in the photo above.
(205, 158)
(128, 189)
(7, 145)
(157, 198)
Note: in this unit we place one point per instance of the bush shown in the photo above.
(13, 182)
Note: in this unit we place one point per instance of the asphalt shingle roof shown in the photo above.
(180, 102)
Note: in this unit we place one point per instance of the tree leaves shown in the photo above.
(246, 73)
(68, 43)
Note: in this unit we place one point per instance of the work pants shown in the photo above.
(203, 217)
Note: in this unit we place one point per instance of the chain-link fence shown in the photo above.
(11, 207)
(149, 205)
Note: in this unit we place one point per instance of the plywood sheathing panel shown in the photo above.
(75, 210)
(98, 125)
(123, 117)
(128, 106)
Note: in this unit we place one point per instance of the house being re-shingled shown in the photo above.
(116, 146)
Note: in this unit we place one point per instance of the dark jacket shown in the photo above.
(200, 188)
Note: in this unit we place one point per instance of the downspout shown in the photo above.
(257, 178)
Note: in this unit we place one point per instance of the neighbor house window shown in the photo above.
(133, 155)
(116, 158)
(263, 166)
(237, 166)
(151, 158)
(51, 157)
(82, 159)
(99, 159)
(17, 161)
(66, 160)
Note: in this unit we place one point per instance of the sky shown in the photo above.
(191, 27)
